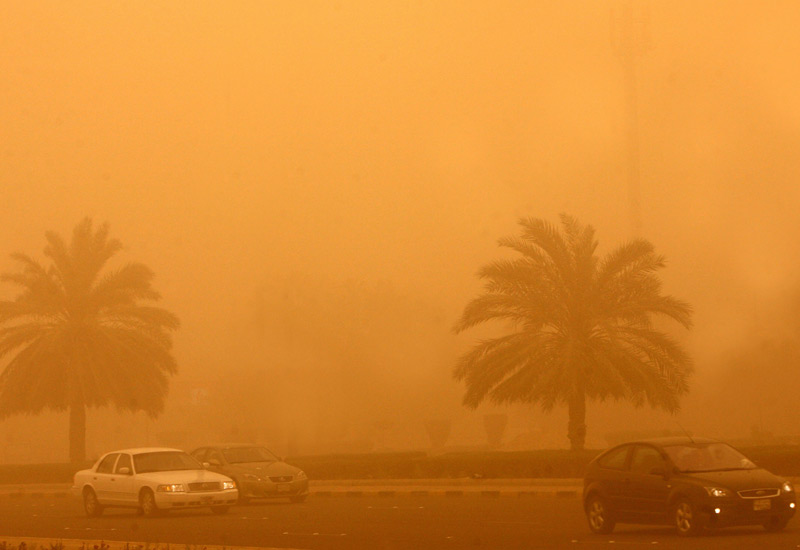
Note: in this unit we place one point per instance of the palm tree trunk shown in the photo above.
(576, 429)
(77, 433)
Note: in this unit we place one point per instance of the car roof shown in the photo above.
(140, 450)
(674, 440)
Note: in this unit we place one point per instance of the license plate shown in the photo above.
(762, 504)
(284, 487)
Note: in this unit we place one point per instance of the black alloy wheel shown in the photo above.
(601, 521)
(688, 520)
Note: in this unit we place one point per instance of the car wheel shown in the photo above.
(601, 521)
(776, 524)
(688, 520)
(90, 504)
(298, 498)
(220, 510)
(147, 503)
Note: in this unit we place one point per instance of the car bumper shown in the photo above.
(269, 489)
(196, 499)
(741, 512)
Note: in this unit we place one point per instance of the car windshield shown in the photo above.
(708, 457)
(164, 461)
(239, 455)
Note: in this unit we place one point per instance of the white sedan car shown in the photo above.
(152, 480)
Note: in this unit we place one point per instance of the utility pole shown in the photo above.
(630, 40)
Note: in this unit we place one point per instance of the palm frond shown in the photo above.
(124, 286)
(623, 256)
(547, 237)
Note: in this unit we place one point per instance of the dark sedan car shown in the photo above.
(690, 483)
(258, 473)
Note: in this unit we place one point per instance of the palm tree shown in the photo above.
(78, 338)
(582, 326)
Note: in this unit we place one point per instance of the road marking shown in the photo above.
(90, 529)
(518, 523)
(630, 543)
(395, 507)
(314, 534)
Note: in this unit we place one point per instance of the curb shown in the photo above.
(490, 493)
(20, 543)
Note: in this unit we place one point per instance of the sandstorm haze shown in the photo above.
(315, 186)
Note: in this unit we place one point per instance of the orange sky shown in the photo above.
(234, 144)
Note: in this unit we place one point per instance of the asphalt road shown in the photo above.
(378, 523)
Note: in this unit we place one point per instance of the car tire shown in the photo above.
(688, 520)
(298, 498)
(220, 510)
(601, 520)
(775, 524)
(147, 504)
(90, 504)
(242, 498)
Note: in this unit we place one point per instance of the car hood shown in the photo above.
(737, 480)
(182, 476)
(265, 469)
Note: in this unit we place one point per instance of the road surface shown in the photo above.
(371, 523)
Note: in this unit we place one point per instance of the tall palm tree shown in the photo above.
(582, 326)
(76, 336)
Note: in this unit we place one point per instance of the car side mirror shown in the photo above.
(206, 465)
(125, 471)
(213, 462)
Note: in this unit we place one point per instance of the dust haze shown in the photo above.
(315, 186)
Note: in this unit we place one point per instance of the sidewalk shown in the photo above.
(377, 487)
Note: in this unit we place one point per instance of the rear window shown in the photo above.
(614, 459)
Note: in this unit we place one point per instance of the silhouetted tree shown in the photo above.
(80, 338)
(582, 326)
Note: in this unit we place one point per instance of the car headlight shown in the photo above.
(251, 477)
(787, 487)
(717, 492)
(228, 485)
(174, 488)
(301, 475)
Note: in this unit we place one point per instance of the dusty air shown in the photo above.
(390, 275)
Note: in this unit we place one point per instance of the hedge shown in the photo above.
(782, 460)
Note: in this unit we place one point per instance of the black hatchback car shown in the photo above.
(690, 483)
